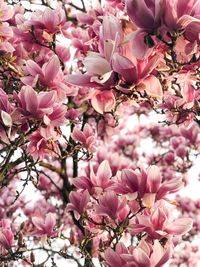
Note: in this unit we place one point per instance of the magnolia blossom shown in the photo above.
(45, 226)
(43, 142)
(146, 15)
(40, 106)
(110, 205)
(146, 185)
(6, 235)
(140, 256)
(78, 203)
(86, 170)
(49, 75)
(156, 223)
(178, 14)
(85, 137)
(97, 182)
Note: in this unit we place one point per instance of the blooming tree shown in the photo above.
(99, 130)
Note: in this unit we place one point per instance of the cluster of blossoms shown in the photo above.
(151, 52)
(85, 173)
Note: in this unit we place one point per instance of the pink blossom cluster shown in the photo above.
(131, 55)
(85, 170)
(130, 202)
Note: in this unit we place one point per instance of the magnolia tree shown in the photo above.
(99, 130)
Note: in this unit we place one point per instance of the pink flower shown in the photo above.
(51, 20)
(85, 137)
(45, 75)
(102, 178)
(103, 101)
(7, 11)
(41, 105)
(78, 203)
(6, 235)
(180, 13)
(146, 185)
(98, 65)
(158, 225)
(101, 181)
(45, 226)
(139, 73)
(110, 205)
(145, 14)
(49, 75)
(42, 143)
(33, 104)
(144, 255)
(99, 72)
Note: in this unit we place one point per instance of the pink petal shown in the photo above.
(153, 179)
(103, 101)
(50, 20)
(146, 67)
(188, 92)
(6, 118)
(33, 68)
(38, 222)
(139, 49)
(108, 205)
(80, 79)
(184, 7)
(153, 87)
(50, 221)
(6, 239)
(124, 67)
(111, 28)
(179, 226)
(78, 135)
(158, 218)
(96, 65)
(46, 99)
(160, 255)
(113, 259)
(30, 96)
(140, 13)
(51, 68)
(103, 173)
(171, 186)
(131, 179)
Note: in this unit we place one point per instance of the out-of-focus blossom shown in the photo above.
(6, 235)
